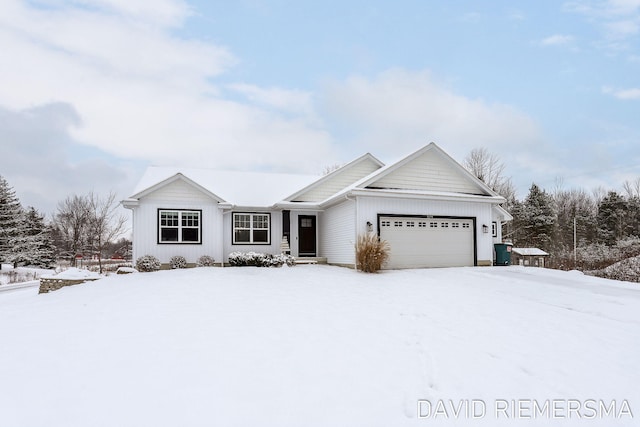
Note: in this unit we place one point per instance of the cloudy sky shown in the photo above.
(93, 91)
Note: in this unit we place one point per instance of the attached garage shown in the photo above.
(418, 242)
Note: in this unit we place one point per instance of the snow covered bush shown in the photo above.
(206, 261)
(626, 270)
(178, 261)
(257, 259)
(147, 263)
(371, 252)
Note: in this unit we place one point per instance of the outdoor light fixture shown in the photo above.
(369, 226)
(485, 228)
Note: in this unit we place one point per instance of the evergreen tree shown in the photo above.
(538, 212)
(611, 218)
(34, 246)
(10, 220)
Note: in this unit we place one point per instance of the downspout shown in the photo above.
(225, 212)
(355, 261)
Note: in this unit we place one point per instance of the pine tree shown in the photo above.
(539, 217)
(10, 220)
(611, 218)
(34, 245)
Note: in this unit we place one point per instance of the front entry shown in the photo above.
(306, 235)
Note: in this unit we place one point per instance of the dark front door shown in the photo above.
(306, 235)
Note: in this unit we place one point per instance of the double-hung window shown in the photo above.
(179, 226)
(251, 228)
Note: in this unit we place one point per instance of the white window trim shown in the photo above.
(180, 227)
(251, 228)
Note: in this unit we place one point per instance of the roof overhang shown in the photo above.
(503, 213)
(130, 203)
(176, 177)
(412, 194)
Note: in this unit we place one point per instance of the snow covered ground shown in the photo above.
(323, 346)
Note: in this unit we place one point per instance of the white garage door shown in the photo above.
(428, 242)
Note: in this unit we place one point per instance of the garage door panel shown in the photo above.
(428, 242)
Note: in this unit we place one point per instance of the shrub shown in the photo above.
(206, 261)
(371, 252)
(147, 263)
(256, 259)
(178, 261)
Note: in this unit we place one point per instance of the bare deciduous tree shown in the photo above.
(105, 225)
(328, 169)
(488, 168)
(632, 188)
(71, 222)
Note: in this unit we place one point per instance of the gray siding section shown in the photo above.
(338, 233)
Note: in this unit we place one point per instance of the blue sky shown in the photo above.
(95, 90)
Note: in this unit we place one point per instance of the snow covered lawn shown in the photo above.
(322, 346)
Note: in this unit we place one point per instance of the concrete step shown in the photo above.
(311, 260)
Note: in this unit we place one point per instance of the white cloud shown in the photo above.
(142, 92)
(293, 101)
(618, 19)
(632, 93)
(399, 111)
(44, 164)
(557, 40)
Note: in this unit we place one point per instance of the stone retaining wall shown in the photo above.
(53, 284)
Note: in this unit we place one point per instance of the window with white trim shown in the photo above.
(251, 228)
(179, 226)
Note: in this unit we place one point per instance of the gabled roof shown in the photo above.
(337, 179)
(381, 178)
(178, 176)
(428, 172)
(249, 189)
(477, 189)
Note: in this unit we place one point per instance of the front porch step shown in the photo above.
(311, 260)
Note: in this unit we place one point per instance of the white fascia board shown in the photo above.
(427, 195)
(297, 206)
(506, 216)
(130, 203)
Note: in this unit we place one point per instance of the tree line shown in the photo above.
(82, 225)
(579, 229)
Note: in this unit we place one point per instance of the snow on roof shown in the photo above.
(529, 251)
(239, 188)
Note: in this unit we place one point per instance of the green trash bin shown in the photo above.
(503, 253)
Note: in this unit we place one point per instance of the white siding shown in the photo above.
(276, 235)
(338, 181)
(177, 195)
(370, 207)
(428, 172)
(145, 228)
(338, 233)
(179, 192)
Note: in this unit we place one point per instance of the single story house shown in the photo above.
(530, 257)
(430, 209)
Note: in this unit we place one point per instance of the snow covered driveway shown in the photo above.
(323, 346)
